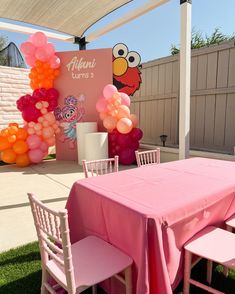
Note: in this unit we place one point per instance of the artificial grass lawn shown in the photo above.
(20, 273)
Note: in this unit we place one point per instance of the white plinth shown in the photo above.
(83, 128)
(96, 146)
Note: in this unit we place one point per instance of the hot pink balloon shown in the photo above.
(36, 155)
(101, 105)
(39, 39)
(125, 99)
(54, 61)
(109, 90)
(124, 140)
(33, 141)
(27, 48)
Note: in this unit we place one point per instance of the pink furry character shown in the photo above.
(68, 115)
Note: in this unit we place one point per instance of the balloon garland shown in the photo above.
(30, 143)
(124, 135)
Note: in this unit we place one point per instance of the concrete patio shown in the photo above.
(50, 180)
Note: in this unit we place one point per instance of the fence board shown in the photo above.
(220, 115)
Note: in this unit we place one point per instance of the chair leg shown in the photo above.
(209, 271)
(44, 280)
(187, 271)
(94, 289)
(128, 280)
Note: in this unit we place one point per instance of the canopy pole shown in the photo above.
(185, 73)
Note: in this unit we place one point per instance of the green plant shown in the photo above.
(198, 41)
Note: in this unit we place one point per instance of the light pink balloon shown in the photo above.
(33, 141)
(47, 132)
(134, 120)
(39, 39)
(36, 155)
(125, 99)
(27, 48)
(124, 125)
(54, 61)
(30, 60)
(101, 105)
(123, 111)
(41, 54)
(109, 90)
(110, 122)
(44, 146)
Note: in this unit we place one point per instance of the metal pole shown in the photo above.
(185, 72)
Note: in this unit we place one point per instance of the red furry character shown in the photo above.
(126, 73)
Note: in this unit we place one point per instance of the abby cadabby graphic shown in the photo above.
(68, 115)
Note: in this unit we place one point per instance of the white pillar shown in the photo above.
(185, 72)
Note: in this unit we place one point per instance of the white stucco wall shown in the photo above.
(14, 82)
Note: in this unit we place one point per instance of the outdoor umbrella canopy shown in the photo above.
(72, 17)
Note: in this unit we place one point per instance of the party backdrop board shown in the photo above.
(83, 75)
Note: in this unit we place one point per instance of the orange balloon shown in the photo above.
(21, 134)
(4, 143)
(13, 124)
(8, 156)
(38, 63)
(11, 138)
(20, 147)
(13, 130)
(123, 111)
(22, 160)
(124, 125)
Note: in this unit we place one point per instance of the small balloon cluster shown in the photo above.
(40, 55)
(124, 135)
(30, 143)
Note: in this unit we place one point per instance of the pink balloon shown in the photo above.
(109, 90)
(41, 54)
(110, 122)
(50, 50)
(30, 60)
(125, 99)
(36, 155)
(44, 146)
(127, 156)
(54, 61)
(39, 39)
(27, 48)
(101, 105)
(33, 141)
(50, 141)
(124, 125)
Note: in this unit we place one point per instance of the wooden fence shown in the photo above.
(212, 125)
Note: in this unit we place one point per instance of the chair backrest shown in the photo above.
(147, 157)
(100, 167)
(53, 236)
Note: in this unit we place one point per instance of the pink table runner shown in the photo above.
(150, 212)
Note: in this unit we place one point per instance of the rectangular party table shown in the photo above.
(151, 211)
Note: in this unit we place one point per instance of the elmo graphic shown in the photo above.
(126, 73)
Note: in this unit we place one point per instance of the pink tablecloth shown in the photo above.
(150, 212)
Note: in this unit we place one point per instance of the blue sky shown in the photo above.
(153, 33)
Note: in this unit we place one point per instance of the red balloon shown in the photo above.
(127, 156)
(30, 113)
(136, 134)
(124, 140)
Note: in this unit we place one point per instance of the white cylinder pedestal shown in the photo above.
(96, 146)
(82, 128)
